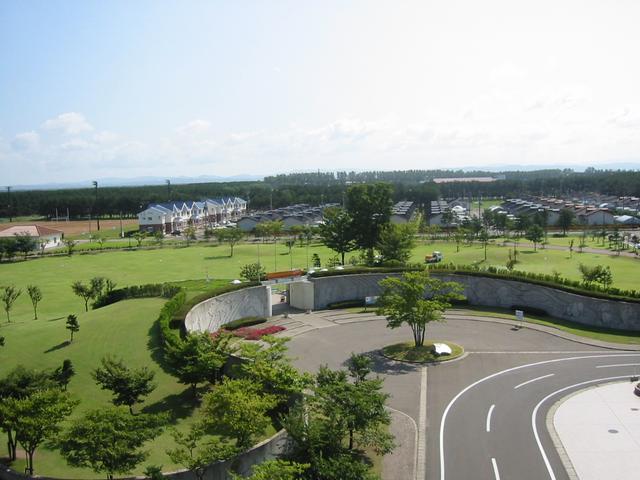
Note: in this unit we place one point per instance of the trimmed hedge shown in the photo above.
(551, 281)
(346, 304)
(244, 322)
(171, 336)
(360, 270)
(163, 290)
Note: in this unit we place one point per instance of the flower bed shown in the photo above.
(252, 333)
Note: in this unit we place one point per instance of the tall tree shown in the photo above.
(416, 299)
(109, 440)
(62, 375)
(38, 418)
(83, 291)
(565, 219)
(336, 231)
(8, 296)
(19, 383)
(483, 236)
(369, 206)
(534, 234)
(72, 325)
(35, 294)
(230, 236)
(128, 386)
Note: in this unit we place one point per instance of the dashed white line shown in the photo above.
(619, 365)
(422, 428)
(495, 469)
(489, 417)
(552, 475)
(533, 380)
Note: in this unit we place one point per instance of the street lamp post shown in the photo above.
(95, 205)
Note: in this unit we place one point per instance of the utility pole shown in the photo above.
(168, 182)
(95, 205)
(271, 200)
(9, 203)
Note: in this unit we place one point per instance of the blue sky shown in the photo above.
(124, 89)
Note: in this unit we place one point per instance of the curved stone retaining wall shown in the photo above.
(213, 313)
(494, 292)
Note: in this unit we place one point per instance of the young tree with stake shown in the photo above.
(35, 294)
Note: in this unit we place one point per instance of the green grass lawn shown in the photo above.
(54, 275)
(625, 270)
(603, 334)
(125, 329)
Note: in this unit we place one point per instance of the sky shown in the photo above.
(94, 89)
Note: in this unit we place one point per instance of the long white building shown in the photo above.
(175, 216)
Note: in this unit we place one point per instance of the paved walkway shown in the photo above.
(600, 431)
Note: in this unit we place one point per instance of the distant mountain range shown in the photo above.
(137, 181)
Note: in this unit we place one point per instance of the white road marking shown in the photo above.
(552, 475)
(620, 365)
(535, 352)
(415, 428)
(422, 428)
(533, 380)
(495, 469)
(489, 417)
(493, 375)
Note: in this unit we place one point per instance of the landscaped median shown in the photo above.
(408, 352)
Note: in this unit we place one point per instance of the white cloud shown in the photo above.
(25, 141)
(70, 123)
(194, 127)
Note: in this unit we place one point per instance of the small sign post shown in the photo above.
(520, 317)
(369, 301)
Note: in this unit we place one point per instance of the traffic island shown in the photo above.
(408, 352)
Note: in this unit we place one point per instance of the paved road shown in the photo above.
(500, 359)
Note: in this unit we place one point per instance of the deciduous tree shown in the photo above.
(38, 418)
(8, 296)
(129, 386)
(336, 231)
(369, 206)
(72, 325)
(416, 299)
(35, 294)
(109, 440)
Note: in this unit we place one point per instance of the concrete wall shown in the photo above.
(269, 449)
(210, 315)
(494, 292)
(301, 295)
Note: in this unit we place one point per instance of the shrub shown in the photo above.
(346, 304)
(164, 290)
(358, 270)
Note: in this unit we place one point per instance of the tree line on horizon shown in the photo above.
(315, 188)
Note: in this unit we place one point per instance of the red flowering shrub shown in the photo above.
(257, 333)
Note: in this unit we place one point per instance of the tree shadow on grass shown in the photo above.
(178, 405)
(386, 366)
(56, 319)
(217, 257)
(58, 347)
